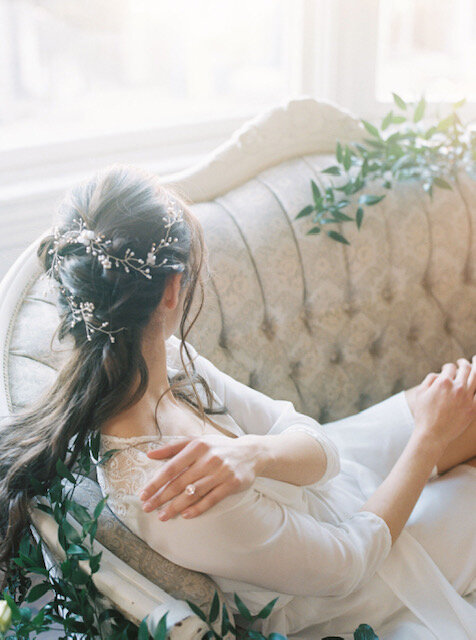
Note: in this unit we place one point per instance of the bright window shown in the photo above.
(427, 46)
(70, 68)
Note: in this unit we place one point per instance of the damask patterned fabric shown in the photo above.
(332, 328)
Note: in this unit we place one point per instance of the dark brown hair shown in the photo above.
(128, 206)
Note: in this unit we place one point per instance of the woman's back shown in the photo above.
(310, 545)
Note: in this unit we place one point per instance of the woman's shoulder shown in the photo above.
(172, 350)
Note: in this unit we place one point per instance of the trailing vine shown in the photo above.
(76, 607)
(402, 148)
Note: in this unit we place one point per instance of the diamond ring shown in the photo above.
(190, 489)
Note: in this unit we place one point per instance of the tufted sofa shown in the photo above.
(334, 328)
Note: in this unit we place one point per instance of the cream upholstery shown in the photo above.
(331, 327)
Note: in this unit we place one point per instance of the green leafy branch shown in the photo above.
(74, 607)
(401, 149)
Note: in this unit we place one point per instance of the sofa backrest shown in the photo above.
(331, 327)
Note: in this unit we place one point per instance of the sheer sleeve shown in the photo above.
(252, 537)
(255, 412)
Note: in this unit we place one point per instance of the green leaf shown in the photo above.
(225, 621)
(37, 591)
(44, 507)
(371, 129)
(359, 217)
(196, 610)
(337, 236)
(428, 187)
(446, 123)
(63, 471)
(338, 215)
(406, 159)
(387, 120)
(439, 182)
(161, 631)
(94, 562)
(333, 171)
(347, 161)
(99, 507)
(79, 577)
(15, 609)
(70, 533)
(95, 441)
(80, 513)
(364, 632)
(107, 454)
(398, 119)
(419, 110)
(25, 614)
(429, 132)
(313, 231)
(39, 570)
(339, 155)
(305, 212)
(399, 101)
(242, 608)
(370, 199)
(214, 608)
(459, 104)
(316, 194)
(77, 550)
(143, 633)
(266, 610)
(35, 483)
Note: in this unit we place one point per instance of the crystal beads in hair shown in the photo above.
(100, 247)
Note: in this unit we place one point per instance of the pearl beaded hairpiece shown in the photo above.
(98, 245)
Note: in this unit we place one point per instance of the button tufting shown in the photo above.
(253, 380)
(349, 308)
(412, 334)
(336, 356)
(296, 368)
(375, 347)
(387, 294)
(426, 282)
(448, 324)
(323, 415)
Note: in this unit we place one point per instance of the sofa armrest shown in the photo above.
(127, 590)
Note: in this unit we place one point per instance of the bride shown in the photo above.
(368, 519)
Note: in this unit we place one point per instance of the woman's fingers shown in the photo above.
(190, 506)
(176, 487)
(186, 456)
(463, 371)
(472, 375)
(167, 450)
(184, 502)
(449, 370)
(429, 379)
(210, 499)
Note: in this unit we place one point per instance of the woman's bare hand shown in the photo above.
(445, 402)
(216, 464)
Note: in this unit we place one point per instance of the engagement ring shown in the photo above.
(190, 489)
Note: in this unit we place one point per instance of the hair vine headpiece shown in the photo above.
(83, 312)
(98, 245)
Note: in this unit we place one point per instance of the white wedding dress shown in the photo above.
(331, 565)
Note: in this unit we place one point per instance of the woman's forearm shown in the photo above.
(396, 497)
(295, 457)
